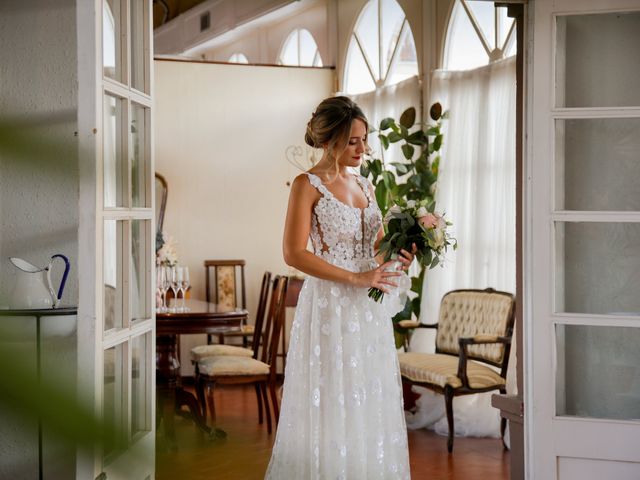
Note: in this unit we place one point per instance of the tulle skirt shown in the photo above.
(342, 411)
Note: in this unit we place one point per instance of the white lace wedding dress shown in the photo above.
(342, 412)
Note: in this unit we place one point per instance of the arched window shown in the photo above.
(381, 51)
(478, 34)
(238, 58)
(300, 49)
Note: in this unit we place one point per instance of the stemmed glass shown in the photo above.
(175, 287)
(163, 285)
(185, 285)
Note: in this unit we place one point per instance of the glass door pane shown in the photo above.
(598, 267)
(111, 39)
(140, 157)
(112, 153)
(598, 164)
(140, 269)
(141, 378)
(598, 372)
(597, 65)
(112, 274)
(139, 46)
(114, 405)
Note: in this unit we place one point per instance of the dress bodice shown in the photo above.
(343, 235)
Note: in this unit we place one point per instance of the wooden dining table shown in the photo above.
(198, 317)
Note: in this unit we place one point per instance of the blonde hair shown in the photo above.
(330, 125)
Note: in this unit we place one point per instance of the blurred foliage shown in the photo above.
(415, 178)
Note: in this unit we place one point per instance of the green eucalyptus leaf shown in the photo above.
(401, 168)
(381, 196)
(404, 132)
(364, 169)
(386, 123)
(384, 140)
(418, 138)
(415, 306)
(408, 117)
(394, 137)
(408, 151)
(437, 142)
(434, 262)
(433, 131)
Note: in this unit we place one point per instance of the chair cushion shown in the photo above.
(442, 370)
(245, 331)
(204, 351)
(230, 365)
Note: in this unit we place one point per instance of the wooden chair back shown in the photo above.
(258, 333)
(275, 321)
(228, 286)
(472, 313)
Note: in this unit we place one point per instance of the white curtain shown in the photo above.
(476, 190)
(389, 101)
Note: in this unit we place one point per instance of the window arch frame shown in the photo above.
(493, 55)
(297, 32)
(391, 62)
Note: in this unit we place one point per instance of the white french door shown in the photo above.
(582, 250)
(117, 342)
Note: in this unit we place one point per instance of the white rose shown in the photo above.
(411, 203)
(438, 238)
(422, 212)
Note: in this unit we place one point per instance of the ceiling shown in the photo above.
(165, 10)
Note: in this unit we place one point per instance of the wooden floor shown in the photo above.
(245, 453)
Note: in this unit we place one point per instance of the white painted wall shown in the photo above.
(38, 198)
(221, 132)
(38, 86)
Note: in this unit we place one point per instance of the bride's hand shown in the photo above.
(407, 257)
(379, 277)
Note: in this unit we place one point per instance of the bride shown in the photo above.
(342, 412)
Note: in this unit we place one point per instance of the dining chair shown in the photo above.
(229, 369)
(225, 286)
(473, 336)
(201, 352)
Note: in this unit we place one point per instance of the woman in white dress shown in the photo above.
(342, 412)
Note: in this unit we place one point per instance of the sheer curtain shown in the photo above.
(389, 101)
(476, 189)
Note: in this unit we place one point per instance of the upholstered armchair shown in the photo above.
(473, 342)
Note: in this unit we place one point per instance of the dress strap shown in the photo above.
(364, 184)
(317, 183)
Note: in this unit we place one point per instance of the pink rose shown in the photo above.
(430, 220)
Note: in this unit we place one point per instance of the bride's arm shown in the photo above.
(296, 234)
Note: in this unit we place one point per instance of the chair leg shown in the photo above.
(448, 398)
(503, 423)
(202, 402)
(263, 389)
(212, 404)
(257, 387)
(274, 401)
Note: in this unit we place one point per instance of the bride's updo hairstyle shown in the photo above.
(330, 124)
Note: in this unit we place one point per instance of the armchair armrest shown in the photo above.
(479, 339)
(415, 324)
(483, 338)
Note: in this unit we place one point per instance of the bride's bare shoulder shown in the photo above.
(302, 187)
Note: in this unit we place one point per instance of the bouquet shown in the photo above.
(415, 222)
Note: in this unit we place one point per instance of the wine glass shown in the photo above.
(185, 285)
(173, 283)
(178, 282)
(163, 286)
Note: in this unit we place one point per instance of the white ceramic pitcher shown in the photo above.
(33, 287)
